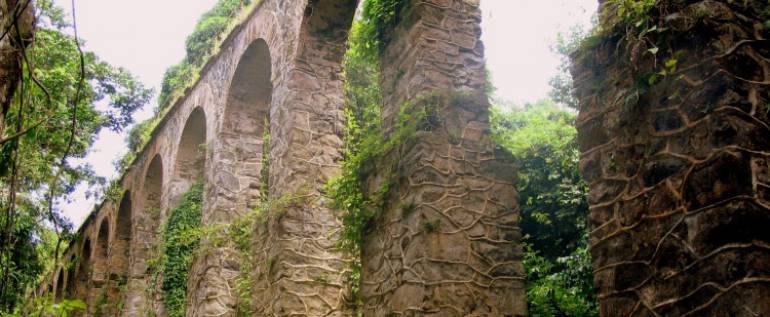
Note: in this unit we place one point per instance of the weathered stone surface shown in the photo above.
(280, 72)
(677, 168)
(447, 241)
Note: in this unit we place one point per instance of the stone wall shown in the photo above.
(677, 164)
(447, 241)
(281, 71)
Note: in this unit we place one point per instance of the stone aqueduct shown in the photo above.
(666, 239)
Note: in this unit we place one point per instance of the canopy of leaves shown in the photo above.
(378, 19)
(552, 198)
(54, 117)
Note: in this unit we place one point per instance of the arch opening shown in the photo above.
(102, 251)
(152, 192)
(123, 236)
(69, 277)
(59, 286)
(190, 156)
(82, 275)
(248, 101)
(246, 128)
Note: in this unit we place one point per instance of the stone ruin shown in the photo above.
(679, 172)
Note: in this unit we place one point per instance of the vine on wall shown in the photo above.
(181, 237)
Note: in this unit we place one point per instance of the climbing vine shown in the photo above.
(181, 237)
(378, 19)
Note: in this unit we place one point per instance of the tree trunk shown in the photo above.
(18, 21)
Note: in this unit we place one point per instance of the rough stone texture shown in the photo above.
(678, 170)
(215, 132)
(447, 241)
(304, 272)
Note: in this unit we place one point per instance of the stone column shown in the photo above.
(446, 242)
(300, 271)
(676, 152)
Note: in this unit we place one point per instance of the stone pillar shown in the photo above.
(446, 242)
(676, 152)
(300, 270)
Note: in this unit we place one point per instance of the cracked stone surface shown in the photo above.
(469, 264)
(447, 241)
(678, 171)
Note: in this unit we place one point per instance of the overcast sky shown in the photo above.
(147, 36)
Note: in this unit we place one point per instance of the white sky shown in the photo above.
(147, 36)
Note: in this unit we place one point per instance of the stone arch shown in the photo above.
(190, 155)
(329, 19)
(69, 278)
(121, 251)
(82, 276)
(101, 253)
(250, 93)
(59, 285)
(308, 125)
(242, 136)
(148, 222)
(152, 191)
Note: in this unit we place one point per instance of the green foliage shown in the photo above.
(628, 12)
(183, 232)
(378, 19)
(362, 86)
(552, 198)
(52, 119)
(363, 140)
(201, 44)
(175, 80)
(552, 195)
(566, 45)
(44, 306)
(349, 191)
(563, 287)
(181, 237)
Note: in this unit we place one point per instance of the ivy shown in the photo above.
(181, 236)
(378, 19)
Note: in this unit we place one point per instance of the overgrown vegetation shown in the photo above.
(183, 234)
(181, 237)
(542, 138)
(552, 198)
(210, 31)
(378, 20)
(52, 118)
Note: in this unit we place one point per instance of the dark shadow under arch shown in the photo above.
(121, 254)
(248, 100)
(59, 286)
(190, 156)
(82, 276)
(102, 251)
(245, 127)
(152, 191)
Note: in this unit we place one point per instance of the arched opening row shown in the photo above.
(112, 255)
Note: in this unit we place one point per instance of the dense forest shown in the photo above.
(65, 96)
